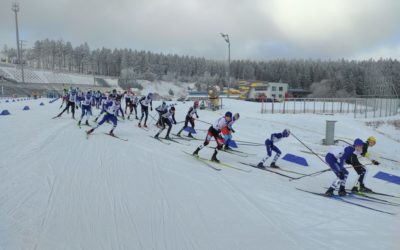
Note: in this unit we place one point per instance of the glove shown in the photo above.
(151, 108)
(233, 131)
(197, 117)
(375, 162)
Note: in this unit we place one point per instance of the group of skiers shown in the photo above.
(221, 131)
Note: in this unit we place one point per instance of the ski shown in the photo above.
(187, 138)
(172, 140)
(382, 194)
(144, 128)
(116, 137)
(268, 170)
(162, 141)
(374, 198)
(238, 151)
(234, 153)
(338, 198)
(279, 169)
(203, 160)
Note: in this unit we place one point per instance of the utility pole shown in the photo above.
(226, 37)
(22, 59)
(15, 9)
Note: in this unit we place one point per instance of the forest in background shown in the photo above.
(325, 78)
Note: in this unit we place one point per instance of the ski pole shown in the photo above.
(308, 148)
(313, 174)
(204, 122)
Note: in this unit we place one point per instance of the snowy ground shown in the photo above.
(62, 191)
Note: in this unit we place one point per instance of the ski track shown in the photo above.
(62, 191)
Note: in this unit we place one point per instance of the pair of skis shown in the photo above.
(114, 136)
(277, 171)
(343, 199)
(213, 164)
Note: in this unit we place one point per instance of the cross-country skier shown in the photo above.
(104, 101)
(190, 118)
(135, 101)
(97, 97)
(145, 102)
(128, 101)
(214, 131)
(86, 105)
(270, 146)
(359, 168)
(162, 109)
(72, 98)
(336, 159)
(65, 99)
(167, 119)
(228, 130)
(112, 106)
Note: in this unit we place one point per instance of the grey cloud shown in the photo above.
(258, 29)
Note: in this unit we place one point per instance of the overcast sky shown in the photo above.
(258, 29)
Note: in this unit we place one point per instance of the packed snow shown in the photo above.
(60, 190)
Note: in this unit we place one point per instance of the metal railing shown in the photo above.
(360, 107)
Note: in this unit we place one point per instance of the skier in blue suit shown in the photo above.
(336, 158)
(270, 146)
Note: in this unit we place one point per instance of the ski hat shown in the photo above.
(172, 108)
(286, 132)
(371, 139)
(358, 142)
(150, 95)
(236, 117)
(228, 114)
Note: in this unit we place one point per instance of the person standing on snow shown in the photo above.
(359, 168)
(228, 130)
(162, 109)
(214, 131)
(86, 105)
(336, 159)
(270, 146)
(167, 119)
(72, 99)
(145, 102)
(190, 118)
(111, 106)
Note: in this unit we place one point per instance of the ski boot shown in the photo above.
(273, 165)
(79, 123)
(90, 131)
(167, 137)
(137, 118)
(214, 157)
(196, 152)
(179, 134)
(145, 125)
(86, 123)
(354, 189)
(260, 165)
(329, 192)
(364, 189)
(190, 135)
(156, 136)
(95, 120)
(342, 191)
(111, 132)
(139, 125)
(226, 148)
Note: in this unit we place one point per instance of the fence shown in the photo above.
(360, 107)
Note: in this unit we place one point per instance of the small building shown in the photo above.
(264, 91)
(298, 93)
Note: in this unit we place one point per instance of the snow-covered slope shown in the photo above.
(60, 190)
